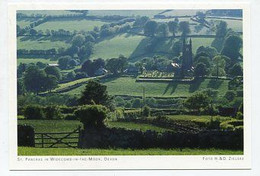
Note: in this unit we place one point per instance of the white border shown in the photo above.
(127, 162)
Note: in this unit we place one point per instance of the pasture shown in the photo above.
(129, 86)
(70, 25)
(129, 13)
(42, 42)
(34, 61)
(29, 151)
(46, 12)
(70, 125)
(124, 44)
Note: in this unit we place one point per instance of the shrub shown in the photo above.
(33, 112)
(136, 103)
(214, 124)
(146, 111)
(92, 115)
(52, 112)
(70, 117)
(239, 115)
(26, 136)
(132, 114)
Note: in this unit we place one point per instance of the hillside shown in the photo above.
(128, 86)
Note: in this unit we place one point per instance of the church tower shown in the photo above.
(186, 57)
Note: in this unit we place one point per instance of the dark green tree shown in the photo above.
(232, 47)
(184, 28)
(96, 93)
(78, 40)
(163, 30)
(50, 70)
(150, 28)
(197, 102)
(34, 79)
(236, 70)
(173, 27)
(200, 70)
(63, 62)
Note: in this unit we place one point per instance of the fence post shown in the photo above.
(42, 141)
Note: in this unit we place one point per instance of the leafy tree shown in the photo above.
(163, 30)
(219, 65)
(236, 70)
(63, 62)
(33, 32)
(173, 27)
(78, 40)
(33, 112)
(92, 116)
(200, 70)
(41, 65)
(210, 51)
(34, 79)
(146, 111)
(96, 93)
(230, 95)
(53, 71)
(150, 28)
(197, 102)
(140, 21)
(204, 60)
(116, 65)
(20, 87)
(90, 67)
(50, 82)
(232, 47)
(221, 31)
(71, 75)
(136, 103)
(184, 27)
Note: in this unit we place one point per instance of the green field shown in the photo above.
(124, 44)
(46, 12)
(70, 25)
(235, 25)
(32, 60)
(183, 12)
(70, 125)
(27, 151)
(41, 43)
(202, 118)
(149, 13)
(128, 86)
(24, 23)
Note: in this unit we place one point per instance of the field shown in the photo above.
(128, 86)
(46, 12)
(70, 125)
(27, 151)
(124, 44)
(70, 25)
(149, 13)
(32, 60)
(43, 43)
(133, 46)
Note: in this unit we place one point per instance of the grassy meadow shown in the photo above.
(35, 60)
(28, 151)
(70, 25)
(41, 42)
(129, 86)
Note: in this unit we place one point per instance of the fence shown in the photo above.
(57, 140)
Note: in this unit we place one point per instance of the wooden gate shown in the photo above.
(57, 140)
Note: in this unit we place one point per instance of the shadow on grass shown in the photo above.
(194, 86)
(171, 86)
(215, 83)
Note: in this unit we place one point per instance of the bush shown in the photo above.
(132, 114)
(26, 136)
(214, 124)
(33, 112)
(70, 117)
(52, 112)
(146, 111)
(92, 115)
(239, 115)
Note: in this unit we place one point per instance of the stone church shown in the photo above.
(187, 62)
